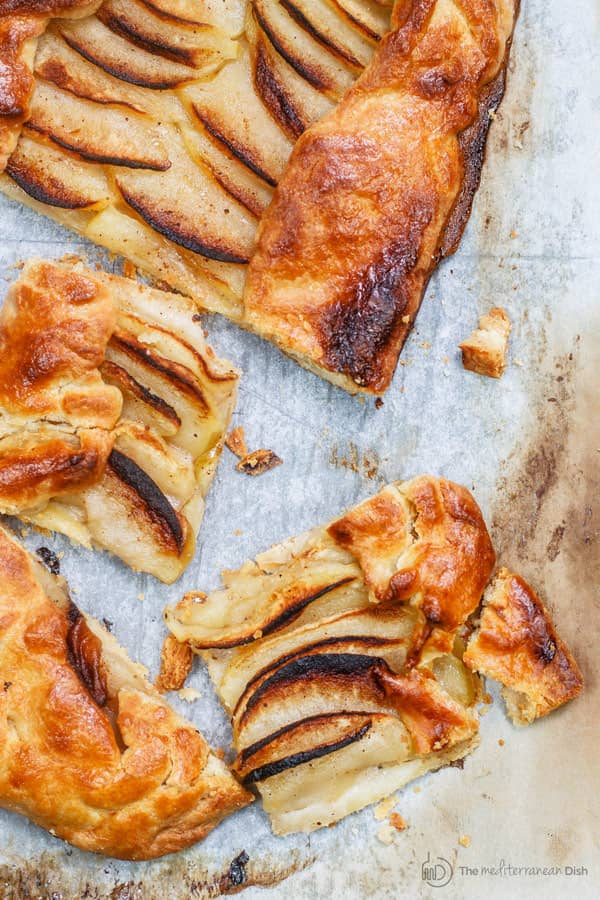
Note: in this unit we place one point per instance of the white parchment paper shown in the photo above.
(526, 445)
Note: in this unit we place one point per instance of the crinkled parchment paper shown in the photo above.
(527, 445)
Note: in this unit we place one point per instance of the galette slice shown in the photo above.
(338, 654)
(517, 644)
(113, 413)
(89, 749)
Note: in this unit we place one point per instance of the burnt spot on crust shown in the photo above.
(168, 223)
(153, 498)
(261, 773)
(236, 874)
(305, 23)
(472, 143)
(356, 329)
(50, 559)
(84, 652)
(275, 96)
(243, 154)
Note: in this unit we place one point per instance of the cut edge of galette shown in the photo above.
(113, 413)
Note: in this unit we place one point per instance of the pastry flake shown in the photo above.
(516, 643)
(89, 749)
(161, 131)
(113, 412)
(485, 350)
(336, 699)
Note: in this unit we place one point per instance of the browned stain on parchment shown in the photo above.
(47, 879)
(365, 463)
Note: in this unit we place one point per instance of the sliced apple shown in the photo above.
(189, 207)
(236, 120)
(213, 288)
(317, 64)
(56, 178)
(122, 59)
(290, 99)
(337, 35)
(226, 14)
(170, 467)
(199, 45)
(372, 19)
(106, 134)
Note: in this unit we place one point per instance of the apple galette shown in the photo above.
(340, 655)
(113, 412)
(354, 134)
(89, 749)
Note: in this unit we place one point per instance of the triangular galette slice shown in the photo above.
(161, 130)
(89, 749)
(338, 654)
(113, 412)
(516, 643)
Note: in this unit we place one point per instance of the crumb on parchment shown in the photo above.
(258, 461)
(175, 665)
(385, 834)
(397, 822)
(383, 809)
(189, 694)
(464, 840)
(484, 352)
(236, 441)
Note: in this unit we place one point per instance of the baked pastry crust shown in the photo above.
(516, 643)
(485, 350)
(113, 413)
(140, 110)
(343, 255)
(340, 678)
(88, 748)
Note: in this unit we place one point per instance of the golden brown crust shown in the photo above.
(516, 643)
(57, 413)
(343, 254)
(94, 755)
(21, 23)
(423, 538)
(485, 350)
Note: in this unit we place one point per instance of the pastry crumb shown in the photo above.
(487, 698)
(406, 319)
(258, 461)
(238, 531)
(484, 352)
(236, 442)
(175, 665)
(397, 822)
(383, 809)
(141, 597)
(24, 532)
(378, 402)
(416, 790)
(425, 345)
(464, 840)
(514, 234)
(500, 742)
(189, 694)
(385, 834)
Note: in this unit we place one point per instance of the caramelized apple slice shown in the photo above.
(227, 14)
(124, 60)
(59, 179)
(198, 45)
(118, 136)
(320, 20)
(190, 208)
(371, 18)
(237, 121)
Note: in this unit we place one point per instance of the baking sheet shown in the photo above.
(527, 446)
